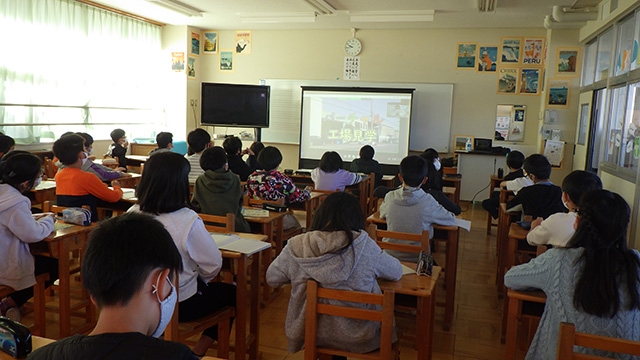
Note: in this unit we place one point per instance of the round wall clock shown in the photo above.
(353, 47)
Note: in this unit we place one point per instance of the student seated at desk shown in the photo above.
(119, 147)
(593, 283)
(541, 199)
(164, 140)
(366, 165)
(20, 172)
(164, 192)
(435, 171)
(135, 294)
(6, 144)
(330, 175)
(515, 159)
(233, 146)
(518, 182)
(558, 229)
(218, 190)
(104, 173)
(75, 187)
(409, 209)
(198, 140)
(338, 254)
(270, 184)
(252, 160)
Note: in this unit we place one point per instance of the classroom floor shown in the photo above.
(475, 333)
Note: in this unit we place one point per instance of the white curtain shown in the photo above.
(64, 53)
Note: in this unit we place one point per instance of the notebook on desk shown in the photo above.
(235, 243)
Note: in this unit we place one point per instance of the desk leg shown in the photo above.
(510, 256)
(268, 230)
(515, 307)
(425, 325)
(450, 277)
(241, 309)
(254, 322)
(65, 289)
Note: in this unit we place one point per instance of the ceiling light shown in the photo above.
(487, 5)
(392, 16)
(179, 7)
(275, 18)
(321, 6)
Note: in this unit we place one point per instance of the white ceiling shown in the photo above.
(223, 14)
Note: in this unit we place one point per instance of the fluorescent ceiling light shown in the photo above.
(321, 7)
(179, 7)
(276, 18)
(392, 16)
(487, 5)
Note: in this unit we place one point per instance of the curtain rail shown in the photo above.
(72, 106)
(120, 12)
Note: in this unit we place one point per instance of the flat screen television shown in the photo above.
(235, 105)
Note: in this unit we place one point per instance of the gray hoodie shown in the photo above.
(316, 255)
(412, 210)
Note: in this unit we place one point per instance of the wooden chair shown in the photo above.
(48, 206)
(312, 205)
(569, 337)
(226, 224)
(181, 331)
(372, 201)
(385, 317)
(377, 235)
(50, 169)
(39, 327)
(286, 234)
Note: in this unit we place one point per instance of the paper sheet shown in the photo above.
(554, 151)
(235, 243)
(465, 224)
(256, 213)
(407, 270)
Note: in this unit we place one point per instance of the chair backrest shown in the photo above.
(315, 307)
(377, 235)
(48, 206)
(247, 201)
(224, 223)
(569, 337)
(371, 200)
(50, 169)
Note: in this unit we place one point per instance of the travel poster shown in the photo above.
(177, 61)
(243, 42)
(530, 81)
(191, 67)
(210, 42)
(195, 43)
(510, 49)
(558, 93)
(567, 61)
(533, 51)
(466, 56)
(487, 58)
(226, 61)
(507, 80)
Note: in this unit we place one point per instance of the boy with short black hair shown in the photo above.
(558, 228)
(75, 187)
(366, 165)
(218, 191)
(519, 179)
(119, 147)
(136, 294)
(233, 146)
(541, 199)
(409, 209)
(198, 140)
(515, 159)
(104, 173)
(6, 144)
(164, 140)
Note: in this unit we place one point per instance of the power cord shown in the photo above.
(476, 194)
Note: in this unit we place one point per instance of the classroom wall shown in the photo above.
(409, 55)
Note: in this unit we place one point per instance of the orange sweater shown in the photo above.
(75, 182)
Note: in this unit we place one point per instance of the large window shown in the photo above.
(603, 59)
(66, 66)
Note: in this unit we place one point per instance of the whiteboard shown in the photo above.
(430, 112)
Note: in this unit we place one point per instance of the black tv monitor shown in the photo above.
(235, 105)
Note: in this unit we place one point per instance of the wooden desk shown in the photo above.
(450, 191)
(515, 300)
(59, 245)
(362, 186)
(388, 181)
(504, 221)
(424, 289)
(239, 264)
(269, 225)
(455, 182)
(43, 192)
(129, 181)
(450, 275)
(36, 343)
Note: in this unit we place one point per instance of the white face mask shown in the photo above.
(167, 306)
(86, 157)
(436, 163)
(90, 152)
(565, 205)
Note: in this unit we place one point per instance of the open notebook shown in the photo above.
(232, 242)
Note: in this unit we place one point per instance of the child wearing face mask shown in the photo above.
(19, 172)
(136, 295)
(218, 190)
(164, 192)
(119, 147)
(104, 173)
(558, 229)
(75, 187)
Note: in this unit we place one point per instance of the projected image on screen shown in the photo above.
(344, 121)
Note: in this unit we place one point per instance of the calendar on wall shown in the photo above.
(351, 68)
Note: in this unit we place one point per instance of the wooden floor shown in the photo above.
(475, 333)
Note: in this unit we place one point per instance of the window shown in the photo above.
(615, 126)
(83, 69)
(603, 59)
(590, 63)
(630, 147)
(625, 46)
